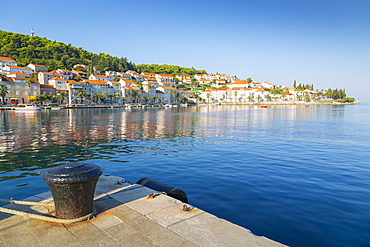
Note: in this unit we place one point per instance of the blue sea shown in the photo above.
(299, 175)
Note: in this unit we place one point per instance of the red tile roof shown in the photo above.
(7, 59)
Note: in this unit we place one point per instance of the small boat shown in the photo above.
(56, 108)
(263, 106)
(128, 106)
(27, 107)
(167, 105)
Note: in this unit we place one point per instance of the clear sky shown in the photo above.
(320, 42)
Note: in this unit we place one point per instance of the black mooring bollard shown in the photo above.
(72, 186)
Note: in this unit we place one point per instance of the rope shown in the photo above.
(27, 203)
(42, 217)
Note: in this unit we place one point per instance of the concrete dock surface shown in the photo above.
(126, 217)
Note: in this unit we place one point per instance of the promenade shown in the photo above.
(126, 217)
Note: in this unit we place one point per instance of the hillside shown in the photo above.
(27, 49)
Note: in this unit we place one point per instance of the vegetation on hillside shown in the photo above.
(168, 69)
(27, 49)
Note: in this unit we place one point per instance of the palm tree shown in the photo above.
(129, 92)
(123, 100)
(111, 96)
(3, 92)
(259, 98)
(61, 95)
(208, 95)
(145, 97)
(154, 98)
(135, 95)
(97, 97)
(103, 96)
(81, 93)
(176, 95)
(41, 98)
(236, 94)
(49, 97)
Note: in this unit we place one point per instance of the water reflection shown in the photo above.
(34, 140)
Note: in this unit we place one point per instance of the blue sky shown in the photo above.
(325, 43)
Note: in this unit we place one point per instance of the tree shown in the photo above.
(154, 98)
(295, 84)
(249, 80)
(259, 98)
(135, 95)
(123, 100)
(82, 94)
(145, 97)
(208, 95)
(176, 96)
(103, 96)
(61, 95)
(3, 92)
(111, 96)
(97, 97)
(236, 94)
(41, 98)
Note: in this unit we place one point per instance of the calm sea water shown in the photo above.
(297, 174)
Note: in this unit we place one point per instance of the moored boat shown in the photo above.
(27, 107)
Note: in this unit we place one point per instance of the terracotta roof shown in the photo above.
(38, 65)
(46, 85)
(96, 82)
(131, 88)
(18, 73)
(127, 80)
(57, 78)
(65, 70)
(165, 75)
(51, 73)
(79, 71)
(101, 76)
(7, 59)
(170, 88)
(19, 67)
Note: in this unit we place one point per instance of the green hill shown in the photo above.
(27, 49)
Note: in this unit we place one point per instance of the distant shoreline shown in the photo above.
(281, 103)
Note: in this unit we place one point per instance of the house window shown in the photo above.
(18, 93)
(17, 86)
(34, 87)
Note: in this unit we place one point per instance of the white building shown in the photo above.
(7, 61)
(37, 67)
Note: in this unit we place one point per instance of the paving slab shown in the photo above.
(126, 217)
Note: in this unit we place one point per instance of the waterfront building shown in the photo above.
(44, 77)
(19, 75)
(19, 91)
(8, 69)
(99, 86)
(76, 73)
(66, 74)
(47, 89)
(37, 67)
(268, 85)
(98, 77)
(239, 83)
(7, 61)
(164, 78)
(186, 79)
(58, 83)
